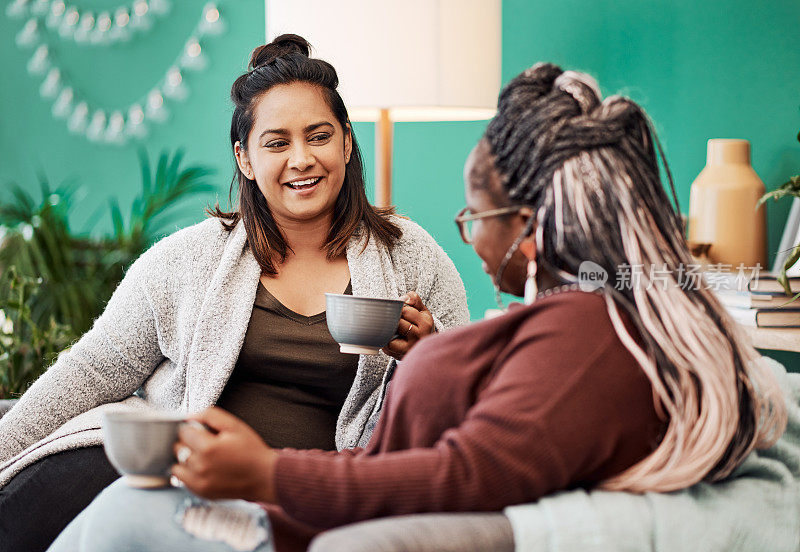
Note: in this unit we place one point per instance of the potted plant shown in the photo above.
(790, 188)
(54, 281)
(26, 347)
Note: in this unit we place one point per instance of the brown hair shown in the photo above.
(284, 61)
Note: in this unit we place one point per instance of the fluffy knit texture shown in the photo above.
(176, 323)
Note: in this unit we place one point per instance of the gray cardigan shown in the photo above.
(175, 326)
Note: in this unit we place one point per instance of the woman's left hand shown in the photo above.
(226, 460)
(415, 323)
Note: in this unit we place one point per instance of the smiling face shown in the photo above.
(493, 236)
(297, 152)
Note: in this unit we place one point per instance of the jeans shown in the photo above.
(124, 519)
(42, 499)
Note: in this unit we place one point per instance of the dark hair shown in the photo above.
(284, 61)
(588, 168)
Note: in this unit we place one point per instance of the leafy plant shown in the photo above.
(26, 347)
(80, 272)
(160, 191)
(66, 277)
(789, 188)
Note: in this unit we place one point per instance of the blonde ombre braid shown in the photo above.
(589, 169)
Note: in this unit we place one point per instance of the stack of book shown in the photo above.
(763, 303)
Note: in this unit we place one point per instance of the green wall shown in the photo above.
(701, 70)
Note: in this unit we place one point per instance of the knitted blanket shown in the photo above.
(755, 510)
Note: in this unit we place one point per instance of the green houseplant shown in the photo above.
(790, 188)
(26, 347)
(54, 281)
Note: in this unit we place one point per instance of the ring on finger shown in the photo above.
(183, 454)
(408, 330)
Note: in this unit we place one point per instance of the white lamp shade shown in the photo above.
(424, 60)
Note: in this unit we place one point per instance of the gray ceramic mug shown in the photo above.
(140, 445)
(362, 325)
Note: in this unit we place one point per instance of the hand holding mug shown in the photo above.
(227, 460)
(416, 322)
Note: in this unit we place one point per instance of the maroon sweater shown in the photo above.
(496, 413)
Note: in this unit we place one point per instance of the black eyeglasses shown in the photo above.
(464, 218)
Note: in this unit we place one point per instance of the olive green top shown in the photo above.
(290, 380)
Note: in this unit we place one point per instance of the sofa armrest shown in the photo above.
(467, 532)
(5, 405)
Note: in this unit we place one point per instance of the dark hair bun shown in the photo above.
(283, 45)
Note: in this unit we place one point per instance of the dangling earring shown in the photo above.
(510, 253)
(530, 283)
(499, 276)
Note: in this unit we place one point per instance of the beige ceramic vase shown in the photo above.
(722, 206)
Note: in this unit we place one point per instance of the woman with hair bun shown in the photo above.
(640, 388)
(231, 311)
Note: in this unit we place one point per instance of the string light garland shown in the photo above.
(83, 26)
(82, 118)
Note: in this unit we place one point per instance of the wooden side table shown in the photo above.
(775, 339)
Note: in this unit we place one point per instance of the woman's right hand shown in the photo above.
(227, 460)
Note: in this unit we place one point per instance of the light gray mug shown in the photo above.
(362, 325)
(140, 445)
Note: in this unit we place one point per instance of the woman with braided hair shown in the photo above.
(587, 171)
(648, 387)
